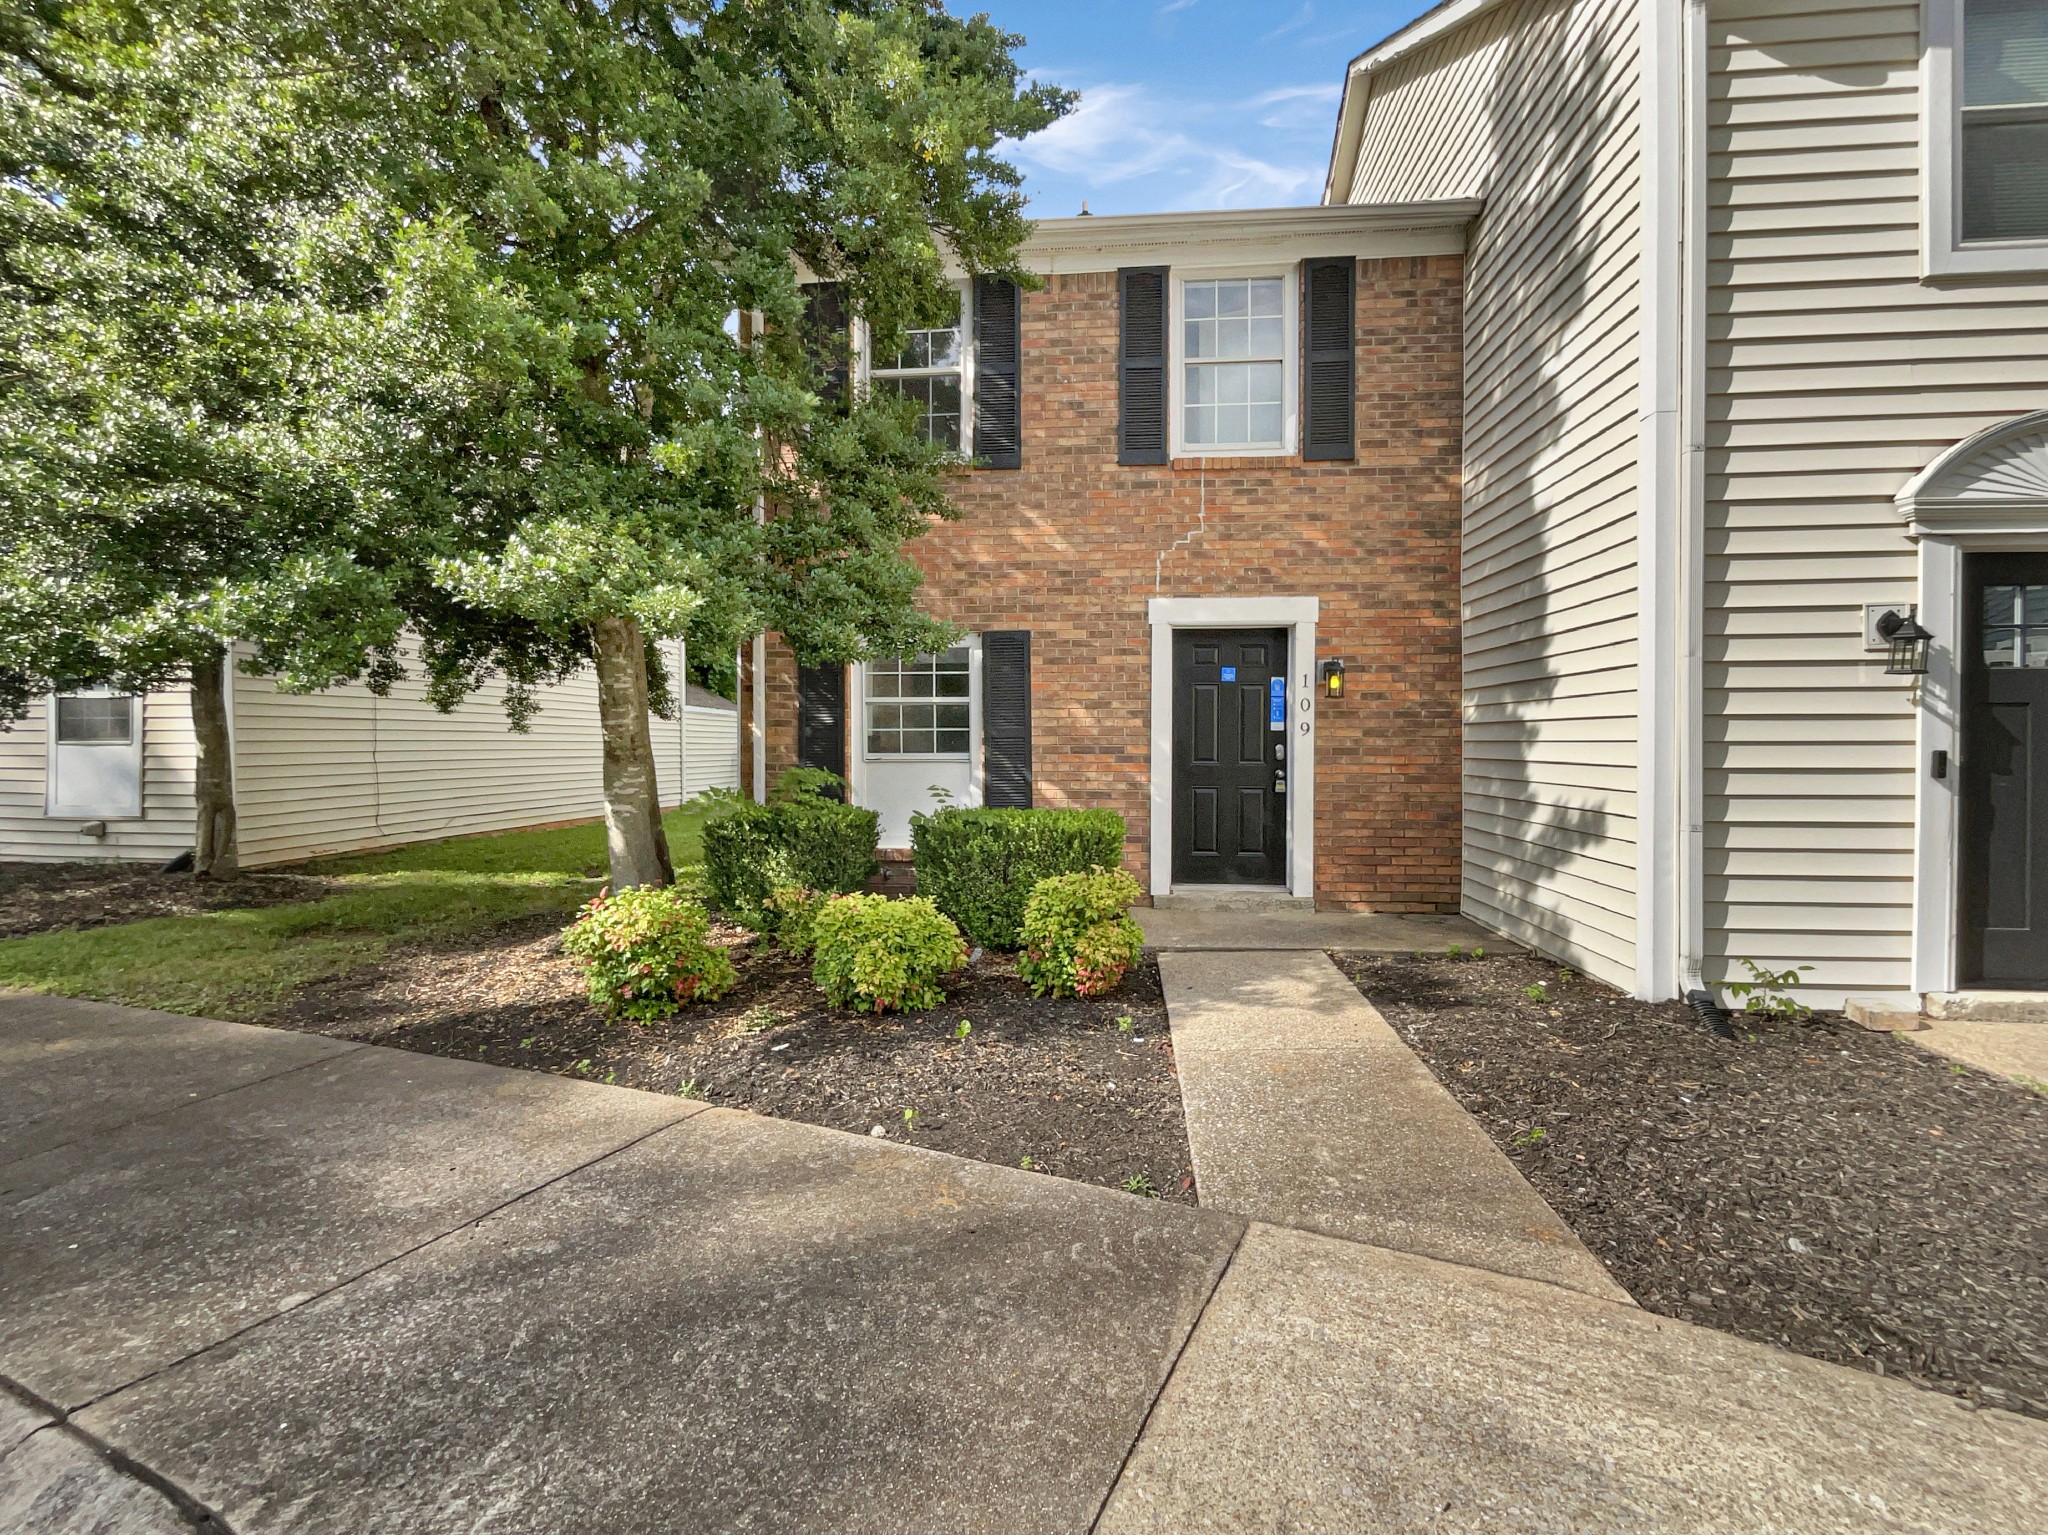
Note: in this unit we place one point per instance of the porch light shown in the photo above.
(1908, 641)
(1333, 678)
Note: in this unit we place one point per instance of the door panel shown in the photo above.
(2005, 764)
(1229, 801)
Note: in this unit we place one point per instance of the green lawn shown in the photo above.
(241, 964)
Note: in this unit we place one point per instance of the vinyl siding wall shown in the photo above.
(342, 770)
(165, 827)
(1834, 374)
(1534, 107)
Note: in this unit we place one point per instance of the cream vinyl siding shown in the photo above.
(1533, 107)
(164, 829)
(1833, 375)
(711, 751)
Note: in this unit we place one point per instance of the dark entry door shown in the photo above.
(2005, 770)
(1229, 764)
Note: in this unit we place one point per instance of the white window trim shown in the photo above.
(1941, 185)
(864, 362)
(1297, 615)
(128, 810)
(858, 758)
(1290, 365)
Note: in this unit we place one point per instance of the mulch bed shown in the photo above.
(1808, 1184)
(42, 897)
(1083, 1089)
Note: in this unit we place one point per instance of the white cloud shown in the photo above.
(1174, 5)
(1298, 108)
(1188, 152)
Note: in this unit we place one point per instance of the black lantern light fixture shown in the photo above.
(1908, 641)
(1333, 678)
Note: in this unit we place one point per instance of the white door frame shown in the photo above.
(1986, 495)
(1298, 616)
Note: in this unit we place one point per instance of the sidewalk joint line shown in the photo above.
(1166, 1379)
(203, 1519)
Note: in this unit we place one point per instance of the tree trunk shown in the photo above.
(213, 788)
(632, 793)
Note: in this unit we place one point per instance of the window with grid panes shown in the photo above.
(919, 707)
(2016, 626)
(95, 719)
(1234, 363)
(928, 371)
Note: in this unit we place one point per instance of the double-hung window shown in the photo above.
(920, 706)
(931, 370)
(1987, 135)
(95, 761)
(1235, 361)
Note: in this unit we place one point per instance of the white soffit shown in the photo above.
(1993, 482)
(1104, 242)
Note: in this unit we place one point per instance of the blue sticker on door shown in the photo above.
(1276, 714)
(1230, 674)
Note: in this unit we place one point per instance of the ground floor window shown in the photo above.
(920, 706)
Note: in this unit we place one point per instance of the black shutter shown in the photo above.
(821, 718)
(1141, 367)
(1006, 718)
(828, 338)
(1329, 365)
(998, 365)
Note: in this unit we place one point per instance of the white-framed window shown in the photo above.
(1235, 357)
(934, 368)
(1985, 90)
(919, 706)
(95, 755)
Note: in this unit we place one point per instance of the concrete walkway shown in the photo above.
(262, 1283)
(1305, 1109)
(1363, 931)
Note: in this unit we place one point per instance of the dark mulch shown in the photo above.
(1809, 1184)
(41, 897)
(1057, 1081)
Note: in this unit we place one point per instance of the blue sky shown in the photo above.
(1188, 103)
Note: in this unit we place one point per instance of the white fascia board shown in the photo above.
(1105, 242)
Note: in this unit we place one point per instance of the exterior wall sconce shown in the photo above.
(1907, 640)
(1333, 678)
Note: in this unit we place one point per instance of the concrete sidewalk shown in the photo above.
(263, 1283)
(1305, 1109)
(1368, 932)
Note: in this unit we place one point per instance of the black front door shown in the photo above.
(2004, 779)
(1229, 762)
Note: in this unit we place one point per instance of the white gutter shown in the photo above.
(1670, 497)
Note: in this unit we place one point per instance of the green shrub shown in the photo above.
(1078, 937)
(646, 951)
(980, 866)
(794, 909)
(880, 955)
(758, 849)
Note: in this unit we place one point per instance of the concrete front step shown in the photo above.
(1233, 898)
(1988, 1006)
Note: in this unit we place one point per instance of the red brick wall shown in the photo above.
(1068, 547)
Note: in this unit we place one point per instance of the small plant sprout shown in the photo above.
(1768, 993)
(527, 1043)
(1027, 1164)
(909, 1121)
(1455, 951)
(1477, 952)
(1140, 1184)
(1534, 1136)
(1537, 991)
(1125, 1023)
(691, 1089)
(962, 1029)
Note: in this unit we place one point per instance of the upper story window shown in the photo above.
(1234, 363)
(2004, 139)
(920, 706)
(1987, 136)
(931, 371)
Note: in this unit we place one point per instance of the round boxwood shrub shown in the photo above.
(882, 956)
(1078, 936)
(755, 850)
(646, 952)
(980, 866)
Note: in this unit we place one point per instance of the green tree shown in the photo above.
(640, 448)
(196, 329)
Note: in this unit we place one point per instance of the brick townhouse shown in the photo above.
(1207, 562)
